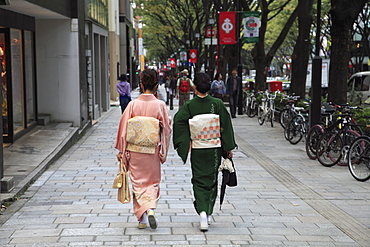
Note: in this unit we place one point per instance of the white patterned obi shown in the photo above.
(142, 134)
(205, 131)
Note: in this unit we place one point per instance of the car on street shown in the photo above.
(358, 87)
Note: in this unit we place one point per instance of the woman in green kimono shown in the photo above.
(207, 150)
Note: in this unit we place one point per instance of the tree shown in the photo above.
(343, 14)
(169, 24)
(301, 51)
(261, 58)
(361, 45)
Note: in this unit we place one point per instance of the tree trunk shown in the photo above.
(301, 50)
(343, 14)
(258, 51)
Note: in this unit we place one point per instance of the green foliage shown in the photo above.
(167, 24)
(277, 20)
(362, 118)
(355, 98)
(280, 101)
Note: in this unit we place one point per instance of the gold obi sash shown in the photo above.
(142, 134)
(205, 131)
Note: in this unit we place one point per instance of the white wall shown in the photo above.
(58, 91)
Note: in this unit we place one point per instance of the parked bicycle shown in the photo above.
(297, 127)
(266, 110)
(288, 112)
(317, 130)
(251, 104)
(333, 146)
(359, 158)
(328, 125)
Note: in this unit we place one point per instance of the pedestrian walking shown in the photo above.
(204, 123)
(142, 140)
(124, 90)
(218, 88)
(184, 84)
(173, 84)
(233, 85)
(167, 87)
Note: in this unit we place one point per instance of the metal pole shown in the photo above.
(315, 106)
(240, 67)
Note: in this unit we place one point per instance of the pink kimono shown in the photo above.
(145, 169)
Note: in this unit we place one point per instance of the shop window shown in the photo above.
(17, 57)
(98, 11)
(17, 79)
(4, 87)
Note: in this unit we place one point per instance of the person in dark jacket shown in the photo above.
(233, 85)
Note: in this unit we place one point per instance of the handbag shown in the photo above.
(121, 183)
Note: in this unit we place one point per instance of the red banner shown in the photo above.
(173, 63)
(193, 56)
(227, 28)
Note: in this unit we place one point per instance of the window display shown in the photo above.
(4, 90)
(17, 71)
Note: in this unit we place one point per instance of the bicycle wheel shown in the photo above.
(286, 116)
(294, 130)
(245, 104)
(329, 149)
(261, 116)
(349, 137)
(252, 108)
(359, 159)
(312, 139)
(272, 116)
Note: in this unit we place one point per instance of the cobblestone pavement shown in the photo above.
(282, 199)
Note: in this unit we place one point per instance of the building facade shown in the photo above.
(56, 62)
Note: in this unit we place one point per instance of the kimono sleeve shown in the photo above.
(181, 132)
(121, 132)
(166, 130)
(227, 131)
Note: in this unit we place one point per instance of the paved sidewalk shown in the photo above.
(282, 198)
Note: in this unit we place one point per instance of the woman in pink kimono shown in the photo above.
(143, 165)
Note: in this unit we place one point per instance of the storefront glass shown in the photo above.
(98, 10)
(4, 88)
(29, 76)
(17, 79)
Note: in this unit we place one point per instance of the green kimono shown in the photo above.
(205, 161)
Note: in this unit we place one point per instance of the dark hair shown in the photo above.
(203, 82)
(149, 79)
(123, 77)
(217, 75)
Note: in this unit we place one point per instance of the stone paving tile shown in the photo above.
(73, 204)
(34, 241)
